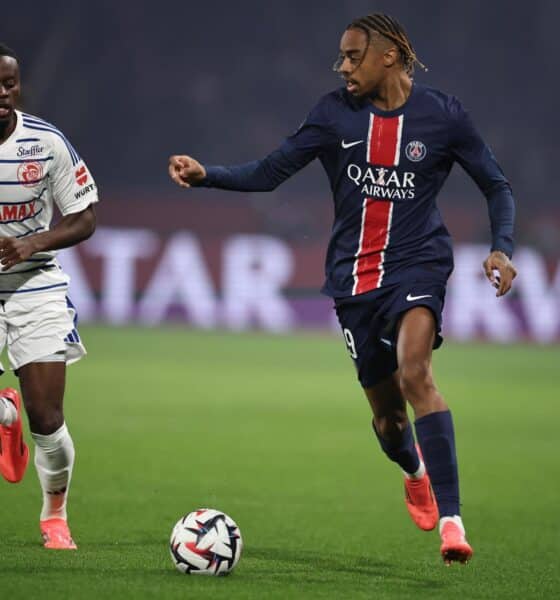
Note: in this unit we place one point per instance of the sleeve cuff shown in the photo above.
(503, 246)
(207, 182)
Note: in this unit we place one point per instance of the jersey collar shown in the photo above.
(364, 102)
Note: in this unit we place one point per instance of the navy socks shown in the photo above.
(404, 452)
(436, 438)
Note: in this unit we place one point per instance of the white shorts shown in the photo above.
(37, 324)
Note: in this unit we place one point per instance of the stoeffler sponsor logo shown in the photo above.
(30, 151)
(379, 182)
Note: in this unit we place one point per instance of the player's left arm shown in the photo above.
(75, 193)
(473, 154)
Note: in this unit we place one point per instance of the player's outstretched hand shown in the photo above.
(185, 170)
(14, 251)
(498, 261)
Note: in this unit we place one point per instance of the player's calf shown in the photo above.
(397, 442)
(54, 460)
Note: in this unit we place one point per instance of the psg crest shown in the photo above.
(415, 151)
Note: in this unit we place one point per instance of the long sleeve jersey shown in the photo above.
(385, 170)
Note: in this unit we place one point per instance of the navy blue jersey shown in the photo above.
(385, 170)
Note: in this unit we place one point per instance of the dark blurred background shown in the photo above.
(131, 83)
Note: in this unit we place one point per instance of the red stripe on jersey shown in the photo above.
(374, 238)
(384, 140)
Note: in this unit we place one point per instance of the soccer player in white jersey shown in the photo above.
(38, 168)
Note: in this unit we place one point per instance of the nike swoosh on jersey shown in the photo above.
(347, 145)
(411, 298)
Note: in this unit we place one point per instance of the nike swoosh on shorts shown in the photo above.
(410, 298)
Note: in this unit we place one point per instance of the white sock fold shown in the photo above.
(418, 474)
(8, 412)
(54, 460)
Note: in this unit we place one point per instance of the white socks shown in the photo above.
(8, 412)
(54, 459)
(419, 473)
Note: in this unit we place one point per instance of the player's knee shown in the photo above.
(45, 422)
(415, 379)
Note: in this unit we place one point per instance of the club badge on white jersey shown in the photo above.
(38, 169)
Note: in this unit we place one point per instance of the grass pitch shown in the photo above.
(275, 432)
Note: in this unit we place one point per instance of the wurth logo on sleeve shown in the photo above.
(82, 177)
(85, 190)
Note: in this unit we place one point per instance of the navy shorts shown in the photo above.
(369, 324)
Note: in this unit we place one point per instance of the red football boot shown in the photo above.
(420, 501)
(454, 546)
(56, 535)
(14, 453)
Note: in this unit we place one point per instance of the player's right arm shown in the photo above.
(314, 135)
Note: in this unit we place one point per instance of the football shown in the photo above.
(205, 542)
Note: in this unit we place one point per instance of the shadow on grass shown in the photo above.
(86, 547)
(290, 563)
(274, 565)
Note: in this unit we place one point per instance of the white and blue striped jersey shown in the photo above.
(38, 169)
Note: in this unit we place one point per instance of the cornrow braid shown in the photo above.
(391, 29)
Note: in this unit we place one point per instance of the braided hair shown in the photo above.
(391, 29)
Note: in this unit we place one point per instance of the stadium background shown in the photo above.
(273, 429)
(226, 82)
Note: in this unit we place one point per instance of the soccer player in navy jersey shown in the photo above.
(387, 145)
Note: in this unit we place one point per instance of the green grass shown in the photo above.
(274, 431)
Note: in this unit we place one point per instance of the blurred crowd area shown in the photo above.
(132, 82)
